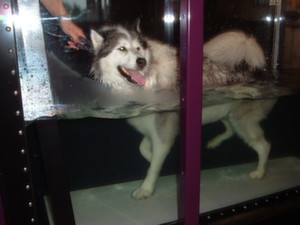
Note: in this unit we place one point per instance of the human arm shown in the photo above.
(57, 9)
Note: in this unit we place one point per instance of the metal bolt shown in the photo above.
(23, 151)
(20, 132)
(5, 6)
(18, 113)
(27, 187)
(10, 50)
(32, 220)
(25, 169)
(30, 204)
(8, 29)
(13, 72)
(16, 93)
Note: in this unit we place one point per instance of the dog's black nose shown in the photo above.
(141, 62)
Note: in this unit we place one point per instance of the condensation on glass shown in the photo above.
(33, 69)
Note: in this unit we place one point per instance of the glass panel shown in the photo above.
(250, 110)
(111, 90)
(34, 74)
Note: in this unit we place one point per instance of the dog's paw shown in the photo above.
(256, 175)
(141, 193)
(212, 144)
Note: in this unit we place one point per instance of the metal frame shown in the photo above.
(16, 184)
(191, 28)
(19, 199)
(19, 204)
(257, 210)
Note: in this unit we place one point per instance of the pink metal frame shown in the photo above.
(191, 29)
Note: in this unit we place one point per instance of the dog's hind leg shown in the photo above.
(216, 141)
(262, 148)
(253, 135)
(245, 122)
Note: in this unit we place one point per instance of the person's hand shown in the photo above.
(73, 31)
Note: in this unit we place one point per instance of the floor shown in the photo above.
(220, 187)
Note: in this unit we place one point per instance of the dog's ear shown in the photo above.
(137, 25)
(97, 40)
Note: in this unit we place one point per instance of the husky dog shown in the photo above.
(126, 61)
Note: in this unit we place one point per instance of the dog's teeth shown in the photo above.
(124, 70)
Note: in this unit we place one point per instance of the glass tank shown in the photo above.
(103, 101)
(92, 87)
(250, 144)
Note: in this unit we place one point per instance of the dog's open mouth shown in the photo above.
(132, 76)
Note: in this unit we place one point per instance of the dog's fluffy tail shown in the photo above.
(233, 48)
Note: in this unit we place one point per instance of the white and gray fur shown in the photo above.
(108, 57)
(229, 58)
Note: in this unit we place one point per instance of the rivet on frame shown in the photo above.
(13, 72)
(16, 93)
(20, 132)
(30, 204)
(27, 187)
(25, 169)
(8, 29)
(5, 6)
(23, 151)
(18, 113)
(32, 220)
(10, 50)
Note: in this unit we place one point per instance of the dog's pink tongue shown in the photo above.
(137, 77)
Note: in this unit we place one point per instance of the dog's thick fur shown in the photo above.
(126, 61)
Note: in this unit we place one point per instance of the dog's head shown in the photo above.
(121, 56)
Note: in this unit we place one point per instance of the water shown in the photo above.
(79, 97)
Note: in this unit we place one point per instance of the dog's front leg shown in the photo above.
(160, 131)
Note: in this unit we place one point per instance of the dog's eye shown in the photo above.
(138, 48)
(123, 49)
